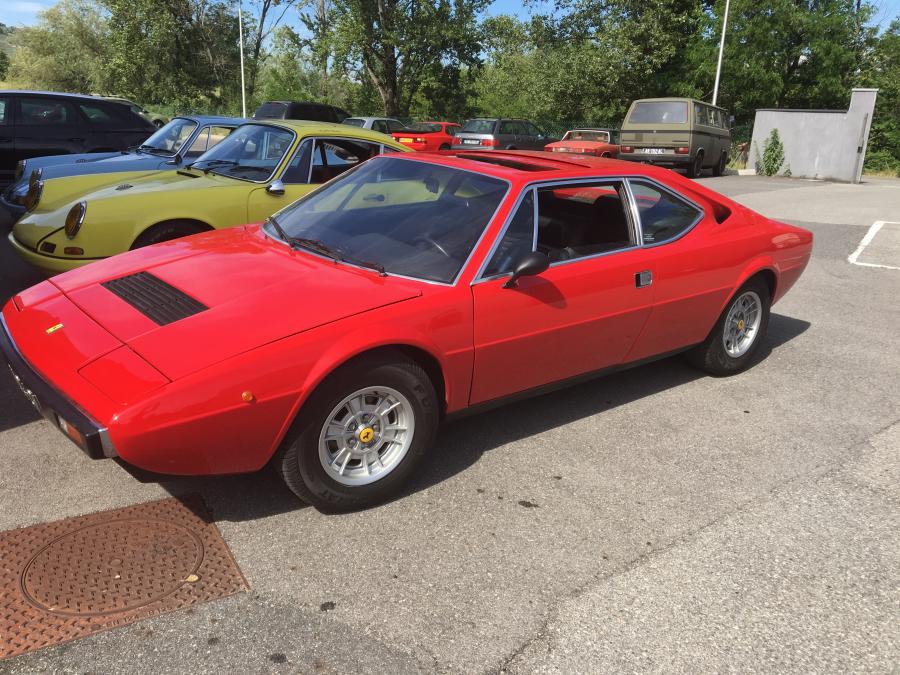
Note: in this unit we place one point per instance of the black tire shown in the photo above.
(695, 168)
(298, 459)
(166, 232)
(711, 355)
(719, 168)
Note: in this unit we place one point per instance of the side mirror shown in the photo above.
(276, 188)
(528, 265)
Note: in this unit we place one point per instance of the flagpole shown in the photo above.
(721, 50)
(241, 37)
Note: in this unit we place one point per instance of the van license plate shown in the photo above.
(652, 151)
(471, 141)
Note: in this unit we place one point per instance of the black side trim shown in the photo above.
(154, 298)
(49, 401)
(484, 406)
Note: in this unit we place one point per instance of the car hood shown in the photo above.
(245, 290)
(53, 160)
(102, 163)
(579, 145)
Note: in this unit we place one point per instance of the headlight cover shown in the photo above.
(75, 218)
(34, 194)
(20, 169)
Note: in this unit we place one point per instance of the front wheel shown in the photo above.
(737, 334)
(359, 437)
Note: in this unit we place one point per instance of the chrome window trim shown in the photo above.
(537, 185)
(512, 214)
(405, 156)
(701, 212)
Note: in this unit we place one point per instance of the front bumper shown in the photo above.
(48, 264)
(9, 213)
(89, 435)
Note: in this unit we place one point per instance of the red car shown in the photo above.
(334, 338)
(597, 142)
(428, 135)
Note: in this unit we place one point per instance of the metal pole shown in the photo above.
(721, 50)
(241, 38)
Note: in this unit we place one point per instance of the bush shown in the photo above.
(772, 157)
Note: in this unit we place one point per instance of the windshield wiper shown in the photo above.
(322, 248)
(209, 163)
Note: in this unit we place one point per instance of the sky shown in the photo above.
(25, 12)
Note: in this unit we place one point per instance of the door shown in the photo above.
(48, 126)
(506, 134)
(536, 138)
(581, 315)
(7, 142)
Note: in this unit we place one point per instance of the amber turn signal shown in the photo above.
(247, 396)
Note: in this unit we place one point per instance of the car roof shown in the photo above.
(679, 99)
(518, 165)
(60, 94)
(207, 119)
(372, 119)
(312, 127)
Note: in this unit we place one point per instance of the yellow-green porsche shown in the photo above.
(257, 170)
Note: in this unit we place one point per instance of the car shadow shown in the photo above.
(462, 442)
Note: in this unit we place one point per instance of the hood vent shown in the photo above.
(154, 298)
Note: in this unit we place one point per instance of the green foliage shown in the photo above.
(65, 51)
(883, 72)
(772, 156)
(4, 65)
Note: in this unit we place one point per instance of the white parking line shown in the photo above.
(866, 240)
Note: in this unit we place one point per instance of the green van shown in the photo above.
(678, 133)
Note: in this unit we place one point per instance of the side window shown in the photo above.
(217, 135)
(395, 126)
(532, 130)
(95, 114)
(508, 127)
(297, 170)
(518, 239)
(663, 215)
(333, 157)
(450, 131)
(575, 221)
(198, 147)
(46, 111)
(698, 114)
(5, 111)
(380, 125)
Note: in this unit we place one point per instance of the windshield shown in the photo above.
(411, 218)
(592, 136)
(479, 127)
(250, 152)
(354, 122)
(171, 137)
(423, 129)
(659, 112)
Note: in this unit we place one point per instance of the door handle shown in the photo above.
(643, 279)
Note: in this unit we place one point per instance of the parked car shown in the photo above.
(258, 169)
(428, 135)
(500, 134)
(383, 125)
(679, 133)
(157, 118)
(331, 341)
(36, 123)
(598, 142)
(300, 110)
(180, 141)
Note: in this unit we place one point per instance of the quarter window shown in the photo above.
(663, 215)
(95, 114)
(4, 111)
(333, 157)
(517, 241)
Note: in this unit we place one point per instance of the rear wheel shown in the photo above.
(444, 146)
(737, 334)
(360, 435)
(719, 168)
(696, 167)
(166, 232)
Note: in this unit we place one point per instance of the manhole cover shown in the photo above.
(73, 577)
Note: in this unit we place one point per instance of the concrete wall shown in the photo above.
(828, 144)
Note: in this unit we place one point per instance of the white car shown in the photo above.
(386, 125)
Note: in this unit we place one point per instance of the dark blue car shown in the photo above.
(177, 143)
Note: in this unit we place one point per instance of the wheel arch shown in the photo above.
(206, 227)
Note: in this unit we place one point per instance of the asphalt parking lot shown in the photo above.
(655, 520)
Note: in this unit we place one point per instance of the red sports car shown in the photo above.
(334, 338)
(597, 142)
(428, 136)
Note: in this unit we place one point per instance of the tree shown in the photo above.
(883, 71)
(399, 44)
(268, 15)
(65, 51)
